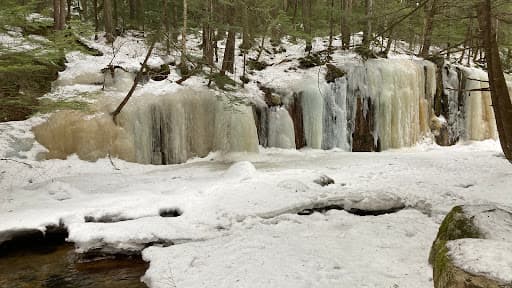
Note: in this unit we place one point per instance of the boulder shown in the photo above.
(473, 248)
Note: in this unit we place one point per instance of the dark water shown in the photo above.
(60, 267)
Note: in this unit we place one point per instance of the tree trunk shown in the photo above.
(183, 64)
(502, 105)
(428, 26)
(367, 34)
(346, 12)
(62, 21)
(140, 14)
(68, 15)
(115, 17)
(167, 25)
(229, 53)
(306, 18)
(107, 18)
(295, 6)
(331, 25)
(209, 36)
(96, 20)
(132, 7)
(84, 6)
(56, 14)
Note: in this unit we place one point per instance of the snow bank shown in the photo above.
(483, 257)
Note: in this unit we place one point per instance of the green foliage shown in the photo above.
(47, 106)
(456, 225)
(223, 82)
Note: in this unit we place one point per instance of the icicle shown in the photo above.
(312, 109)
(281, 132)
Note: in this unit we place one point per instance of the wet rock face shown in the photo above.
(295, 110)
(484, 224)
(363, 138)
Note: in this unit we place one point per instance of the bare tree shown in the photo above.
(107, 18)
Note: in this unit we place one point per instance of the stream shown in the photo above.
(60, 267)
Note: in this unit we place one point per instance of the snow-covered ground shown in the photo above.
(239, 225)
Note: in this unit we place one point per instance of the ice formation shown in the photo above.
(379, 104)
(154, 129)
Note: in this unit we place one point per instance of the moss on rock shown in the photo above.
(458, 224)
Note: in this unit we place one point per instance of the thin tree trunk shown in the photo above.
(115, 17)
(346, 12)
(96, 20)
(367, 34)
(85, 10)
(331, 25)
(229, 53)
(183, 64)
(428, 27)
(132, 7)
(56, 14)
(138, 77)
(306, 16)
(62, 21)
(68, 15)
(167, 25)
(140, 14)
(295, 6)
(107, 18)
(502, 105)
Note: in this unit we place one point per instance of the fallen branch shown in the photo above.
(21, 162)
(135, 82)
(112, 162)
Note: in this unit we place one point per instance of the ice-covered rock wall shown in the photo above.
(154, 129)
(379, 104)
(465, 104)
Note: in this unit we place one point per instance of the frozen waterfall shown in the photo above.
(378, 104)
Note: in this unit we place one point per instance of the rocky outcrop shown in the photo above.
(467, 236)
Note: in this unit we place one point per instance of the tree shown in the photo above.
(56, 14)
(367, 33)
(502, 105)
(428, 25)
(183, 63)
(346, 11)
(107, 18)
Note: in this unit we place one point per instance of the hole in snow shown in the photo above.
(170, 212)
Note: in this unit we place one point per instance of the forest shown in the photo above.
(255, 143)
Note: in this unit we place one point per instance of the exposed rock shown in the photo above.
(257, 65)
(324, 180)
(489, 223)
(333, 73)
(310, 61)
(295, 110)
(363, 138)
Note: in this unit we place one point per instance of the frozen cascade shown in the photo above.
(451, 104)
(335, 123)
(174, 127)
(469, 111)
(398, 95)
(311, 99)
(281, 132)
(163, 129)
(480, 123)
(380, 104)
